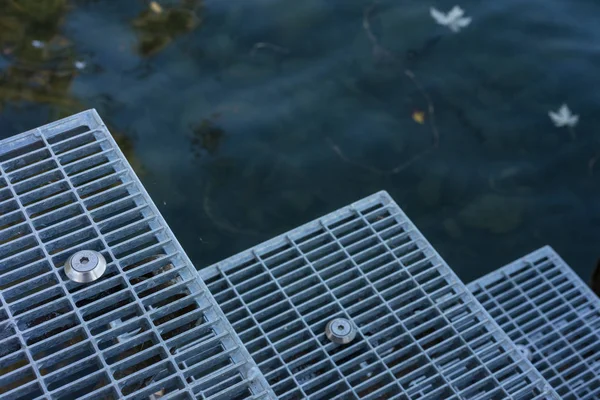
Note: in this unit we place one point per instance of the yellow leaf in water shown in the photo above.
(418, 117)
(155, 7)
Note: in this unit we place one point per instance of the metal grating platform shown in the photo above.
(148, 328)
(421, 334)
(543, 305)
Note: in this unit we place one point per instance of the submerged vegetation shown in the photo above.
(207, 137)
(160, 25)
(40, 60)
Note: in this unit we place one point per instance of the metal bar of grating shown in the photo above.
(148, 328)
(546, 308)
(420, 333)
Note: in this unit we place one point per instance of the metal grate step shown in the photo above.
(148, 328)
(420, 333)
(544, 307)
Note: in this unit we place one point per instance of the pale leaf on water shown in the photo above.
(453, 19)
(155, 7)
(564, 117)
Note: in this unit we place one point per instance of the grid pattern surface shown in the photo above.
(543, 305)
(148, 328)
(421, 334)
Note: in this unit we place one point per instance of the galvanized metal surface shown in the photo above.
(147, 327)
(420, 332)
(545, 307)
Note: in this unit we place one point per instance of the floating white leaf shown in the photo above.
(155, 7)
(80, 65)
(564, 117)
(453, 19)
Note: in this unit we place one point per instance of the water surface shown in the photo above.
(246, 118)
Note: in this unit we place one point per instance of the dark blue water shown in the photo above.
(246, 118)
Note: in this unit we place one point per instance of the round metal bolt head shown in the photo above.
(85, 266)
(525, 351)
(340, 330)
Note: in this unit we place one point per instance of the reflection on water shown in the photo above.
(248, 118)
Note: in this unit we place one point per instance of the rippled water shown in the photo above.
(245, 118)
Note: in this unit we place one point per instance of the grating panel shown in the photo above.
(420, 333)
(543, 305)
(148, 328)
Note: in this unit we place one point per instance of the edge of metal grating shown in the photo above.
(384, 198)
(546, 251)
(231, 342)
(547, 255)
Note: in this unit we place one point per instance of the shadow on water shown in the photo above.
(245, 119)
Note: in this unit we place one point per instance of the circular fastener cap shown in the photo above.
(85, 266)
(340, 330)
(525, 351)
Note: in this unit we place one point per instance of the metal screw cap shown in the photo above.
(340, 330)
(85, 266)
(525, 351)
